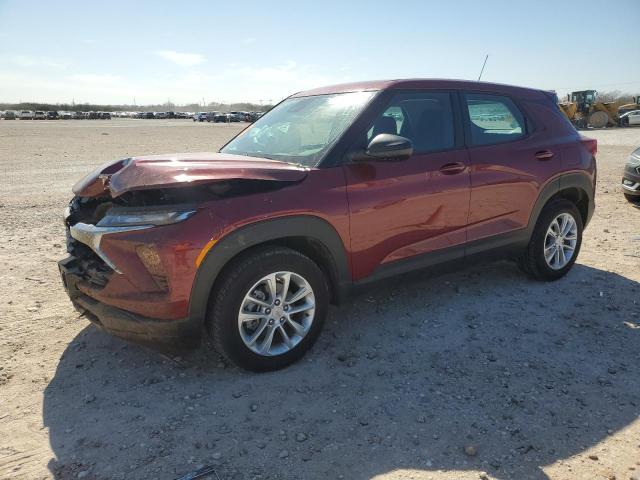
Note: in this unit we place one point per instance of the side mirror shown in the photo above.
(386, 146)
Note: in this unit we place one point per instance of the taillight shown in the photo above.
(590, 143)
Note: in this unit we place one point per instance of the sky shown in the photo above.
(258, 51)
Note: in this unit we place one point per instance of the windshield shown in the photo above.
(300, 130)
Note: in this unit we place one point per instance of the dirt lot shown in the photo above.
(536, 380)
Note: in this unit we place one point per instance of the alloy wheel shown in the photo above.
(276, 313)
(560, 241)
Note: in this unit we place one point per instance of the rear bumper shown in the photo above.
(124, 324)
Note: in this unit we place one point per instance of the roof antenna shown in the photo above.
(481, 71)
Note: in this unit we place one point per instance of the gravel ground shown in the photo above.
(480, 373)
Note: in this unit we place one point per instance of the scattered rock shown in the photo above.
(470, 450)
(301, 437)
(283, 454)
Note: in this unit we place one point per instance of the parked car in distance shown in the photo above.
(65, 115)
(333, 189)
(26, 115)
(253, 116)
(238, 116)
(219, 117)
(39, 115)
(9, 115)
(631, 177)
(52, 115)
(200, 117)
(104, 115)
(630, 118)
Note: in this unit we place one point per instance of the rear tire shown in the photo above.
(233, 319)
(544, 241)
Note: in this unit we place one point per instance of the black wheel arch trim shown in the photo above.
(580, 181)
(261, 232)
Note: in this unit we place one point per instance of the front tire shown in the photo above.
(555, 242)
(268, 308)
(635, 199)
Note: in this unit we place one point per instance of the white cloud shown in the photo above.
(181, 58)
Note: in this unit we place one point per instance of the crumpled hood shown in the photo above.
(182, 169)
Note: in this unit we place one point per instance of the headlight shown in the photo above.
(132, 217)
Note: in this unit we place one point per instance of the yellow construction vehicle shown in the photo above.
(584, 109)
(578, 107)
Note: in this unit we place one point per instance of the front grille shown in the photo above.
(89, 266)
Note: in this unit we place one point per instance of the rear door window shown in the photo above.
(493, 119)
(425, 118)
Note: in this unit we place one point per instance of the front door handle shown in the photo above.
(544, 155)
(452, 168)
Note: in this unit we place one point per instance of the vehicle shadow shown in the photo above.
(404, 376)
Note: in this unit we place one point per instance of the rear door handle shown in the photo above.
(452, 168)
(544, 155)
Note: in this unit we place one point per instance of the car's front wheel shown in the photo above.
(268, 308)
(635, 199)
(555, 242)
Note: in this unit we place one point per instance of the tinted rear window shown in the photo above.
(493, 119)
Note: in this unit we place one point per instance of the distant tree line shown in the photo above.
(611, 96)
(614, 96)
(165, 107)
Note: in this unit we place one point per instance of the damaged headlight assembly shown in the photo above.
(118, 220)
(147, 218)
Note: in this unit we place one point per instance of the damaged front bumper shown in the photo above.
(91, 235)
(124, 324)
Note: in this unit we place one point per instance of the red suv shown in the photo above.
(332, 189)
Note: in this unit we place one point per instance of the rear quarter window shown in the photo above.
(493, 119)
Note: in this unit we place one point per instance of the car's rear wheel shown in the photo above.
(268, 308)
(555, 242)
